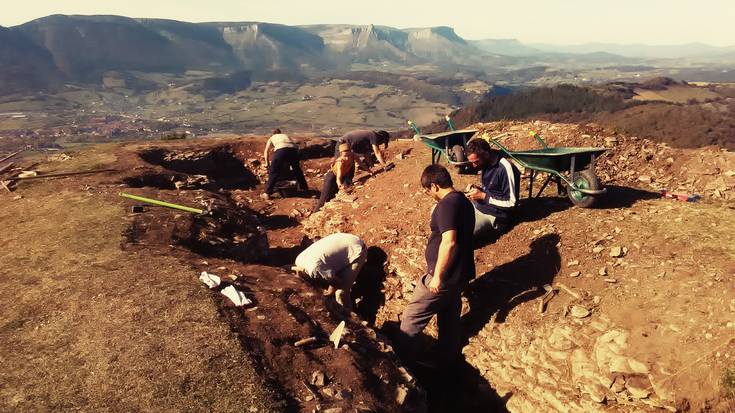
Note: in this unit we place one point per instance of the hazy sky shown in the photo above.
(550, 21)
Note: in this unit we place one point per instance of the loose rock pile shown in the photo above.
(568, 366)
(630, 160)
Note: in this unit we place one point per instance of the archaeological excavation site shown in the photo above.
(625, 306)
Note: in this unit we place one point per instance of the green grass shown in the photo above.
(728, 382)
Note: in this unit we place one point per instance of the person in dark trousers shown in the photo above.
(450, 264)
(340, 175)
(365, 143)
(497, 196)
(285, 157)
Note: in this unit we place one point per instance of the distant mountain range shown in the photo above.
(691, 50)
(50, 51)
(43, 52)
(512, 47)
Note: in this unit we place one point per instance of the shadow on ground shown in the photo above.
(462, 389)
(624, 197)
(495, 292)
(278, 221)
(528, 210)
(286, 256)
(536, 209)
(369, 285)
(508, 285)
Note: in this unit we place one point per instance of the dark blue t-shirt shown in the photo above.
(453, 212)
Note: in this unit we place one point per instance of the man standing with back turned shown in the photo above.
(450, 265)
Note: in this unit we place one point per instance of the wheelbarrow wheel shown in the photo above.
(457, 153)
(584, 180)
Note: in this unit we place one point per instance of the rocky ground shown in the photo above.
(640, 317)
(643, 317)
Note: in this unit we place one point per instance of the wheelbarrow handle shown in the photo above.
(449, 123)
(414, 127)
(538, 138)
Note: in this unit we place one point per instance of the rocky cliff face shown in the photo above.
(442, 44)
(264, 46)
(84, 47)
(435, 44)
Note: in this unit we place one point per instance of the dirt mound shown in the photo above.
(624, 331)
(195, 177)
(682, 116)
(679, 125)
(313, 148)
(642, 317)
(226, 231)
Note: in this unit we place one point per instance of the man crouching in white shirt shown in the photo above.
(336, 259)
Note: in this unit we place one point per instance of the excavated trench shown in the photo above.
(362, 374)
(226, 232)
(200, 179)
(562, 364)
(220, 165)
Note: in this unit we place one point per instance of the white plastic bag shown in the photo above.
(210, 280)
(237, 297)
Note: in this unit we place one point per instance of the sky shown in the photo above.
(655, 22)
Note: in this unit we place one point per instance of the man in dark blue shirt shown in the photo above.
(500, 184)
(450, 264)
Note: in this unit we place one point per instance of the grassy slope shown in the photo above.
(85, 325)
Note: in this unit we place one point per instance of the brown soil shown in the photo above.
(143, 290)
(110, 303)
(86, 325)
(671, 293)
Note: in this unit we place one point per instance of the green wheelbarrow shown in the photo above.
(572, 169)
(450, 144)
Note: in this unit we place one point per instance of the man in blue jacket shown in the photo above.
(500, 182)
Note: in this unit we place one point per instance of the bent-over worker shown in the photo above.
(367, 142)
(336, 259)
(285, 157)
(340, 175)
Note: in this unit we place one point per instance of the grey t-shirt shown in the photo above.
(329, 255)
(360, 141)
